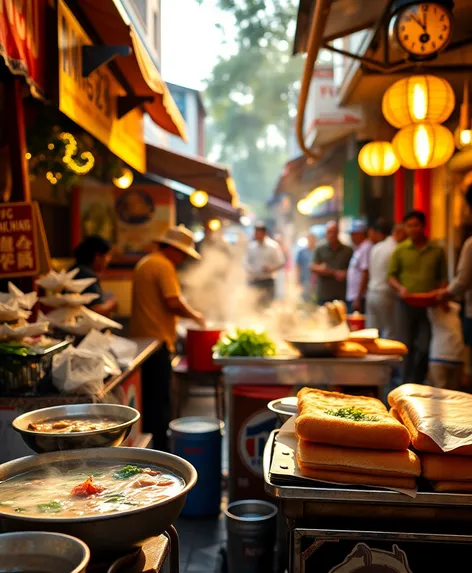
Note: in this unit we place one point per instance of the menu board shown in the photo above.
(18, 241)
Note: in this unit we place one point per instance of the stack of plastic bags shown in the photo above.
(353, 440)
(440, 424)
(70, 313)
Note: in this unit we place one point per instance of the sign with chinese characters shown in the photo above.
(92, 101)
(22, 38)
(18, 245)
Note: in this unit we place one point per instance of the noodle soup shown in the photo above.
(73, 425)
(101, 488)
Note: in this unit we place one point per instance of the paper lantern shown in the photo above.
(463, 138)
(423, 145)
(418, 99)
(199, 199)
(319, 195)
(304, 207)
(378, 159)
(214, 224)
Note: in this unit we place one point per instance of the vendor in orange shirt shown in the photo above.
(157, 303)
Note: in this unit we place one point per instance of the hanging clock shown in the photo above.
(423, 29)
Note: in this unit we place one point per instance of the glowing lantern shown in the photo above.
(418, 99)
(319, 195)
(199, 199)
(378, 158)
(214, 224)
(423, 145)
(124, 180)
(304, 208)
(463, 137)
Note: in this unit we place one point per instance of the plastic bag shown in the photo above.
(124, 349)
(78, 371)
(99, 344)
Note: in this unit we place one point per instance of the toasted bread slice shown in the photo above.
(350, 421)
(349, 349)
(385, 346)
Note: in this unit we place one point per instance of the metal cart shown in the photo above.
(357, 530)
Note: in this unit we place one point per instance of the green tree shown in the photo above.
(251, 96)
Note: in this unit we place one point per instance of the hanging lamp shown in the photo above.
(378, 158)
(423, 145)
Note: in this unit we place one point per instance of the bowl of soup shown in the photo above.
(76, 426)
(110, 498)
(40, 552)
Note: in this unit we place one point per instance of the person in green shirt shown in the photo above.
(417, 266)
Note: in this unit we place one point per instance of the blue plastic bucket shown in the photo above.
(198, 440)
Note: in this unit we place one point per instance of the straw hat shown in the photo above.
(181, 238)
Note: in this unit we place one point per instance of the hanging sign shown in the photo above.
(92, 102)
(22, 39)
(18, 241)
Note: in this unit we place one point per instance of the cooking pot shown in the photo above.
(119, 531)
(40, 551)
(200, 343)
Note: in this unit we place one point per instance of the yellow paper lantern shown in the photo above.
(199, 199)
(214, 224)
(378, 159)
(418, 99)
(423, 145)
(319, 195)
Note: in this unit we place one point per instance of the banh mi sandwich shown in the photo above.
(385, 346)
(352, 478)
(439, 467)
(378, 462)
(427, 412)
(351, 421)
(452, 486)
(350, 349)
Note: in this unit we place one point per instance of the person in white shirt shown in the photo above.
(264, 258)
(380, 300)
(446, 352)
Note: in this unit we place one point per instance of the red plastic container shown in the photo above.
(200, 350)
(356, 321)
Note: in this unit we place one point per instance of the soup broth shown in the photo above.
(102, 488)
(73, 425)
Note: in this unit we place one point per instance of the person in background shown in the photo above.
(417, 266)
(446, 353)
(303, 262)
(330, 264)
(358, 271)
(381, 299)
(264, 257)
(92, 257)
(156, 305)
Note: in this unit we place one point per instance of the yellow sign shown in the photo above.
(92, 102)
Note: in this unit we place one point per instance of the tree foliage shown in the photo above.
(251, 95)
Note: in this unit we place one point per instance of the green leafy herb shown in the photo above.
(51, 507)
(115, 498)
(15, 349)
(352, 414)
(245, 343)
(20, 510)
(127, 472)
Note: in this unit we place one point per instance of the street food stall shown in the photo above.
(338, 523)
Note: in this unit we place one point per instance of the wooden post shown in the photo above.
(16, 129)
(422, 194)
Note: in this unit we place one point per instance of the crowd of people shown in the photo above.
(381, 275)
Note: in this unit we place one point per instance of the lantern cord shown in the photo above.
(318, 23)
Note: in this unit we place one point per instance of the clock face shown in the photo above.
(424, 29)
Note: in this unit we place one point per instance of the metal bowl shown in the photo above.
(45, 552)
(42, 442)
(118, 531)
(285, 408)
(310, 349)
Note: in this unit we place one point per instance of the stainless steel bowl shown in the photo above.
(45, 552)
(118, 531)
(42, 442)
(285, 408)
(314, 349)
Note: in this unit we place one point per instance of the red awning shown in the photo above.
(112, 26)
(194, 172)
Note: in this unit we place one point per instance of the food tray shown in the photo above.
(284, 360)
(24, 374)
(306, 492)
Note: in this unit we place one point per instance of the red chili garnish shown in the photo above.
(87, 488)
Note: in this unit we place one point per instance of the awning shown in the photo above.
(195, 172)
(345, 17)
(112, 26)
(216, 208)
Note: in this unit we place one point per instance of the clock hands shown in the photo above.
(418, 21)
